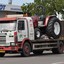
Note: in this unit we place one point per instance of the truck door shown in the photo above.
(22, 29)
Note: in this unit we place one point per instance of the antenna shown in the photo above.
(10, 2)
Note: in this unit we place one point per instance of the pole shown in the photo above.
(10, 2)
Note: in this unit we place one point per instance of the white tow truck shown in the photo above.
(28, 34)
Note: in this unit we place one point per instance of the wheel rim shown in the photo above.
(26, 50)
(38, 34)
(56, 28)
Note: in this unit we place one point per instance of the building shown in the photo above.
(9, 9)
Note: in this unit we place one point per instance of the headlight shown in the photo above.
(12, 44)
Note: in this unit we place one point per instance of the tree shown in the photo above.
(28, 8)
(55, 5)
(50, 5)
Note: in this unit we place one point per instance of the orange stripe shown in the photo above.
(10, 48)
(7, 19)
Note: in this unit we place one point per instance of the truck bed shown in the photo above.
(45, 44)
(45, 40)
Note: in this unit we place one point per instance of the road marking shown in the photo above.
(58, 63)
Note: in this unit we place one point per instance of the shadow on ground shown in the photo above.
(31, 55)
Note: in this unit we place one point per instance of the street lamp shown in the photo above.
(10, 2)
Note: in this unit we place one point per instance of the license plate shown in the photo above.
(2, 51)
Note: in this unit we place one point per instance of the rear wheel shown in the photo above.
(2, 54)
(37, 33)
(26, 49)
(53, 29)
(58, 50)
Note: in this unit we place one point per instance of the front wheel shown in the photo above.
(37, 33)
(2, 54)
(26, 49)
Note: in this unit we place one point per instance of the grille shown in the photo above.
(2, 39)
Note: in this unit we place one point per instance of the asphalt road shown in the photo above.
(46, 58)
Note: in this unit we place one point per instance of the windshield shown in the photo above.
(7, 25)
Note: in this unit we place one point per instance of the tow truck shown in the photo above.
(31, 34)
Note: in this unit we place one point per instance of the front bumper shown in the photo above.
(8, 48)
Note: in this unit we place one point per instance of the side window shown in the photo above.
(21, 25)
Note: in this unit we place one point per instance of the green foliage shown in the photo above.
(28, 8)
(50, 5)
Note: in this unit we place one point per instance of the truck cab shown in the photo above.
(14, 31)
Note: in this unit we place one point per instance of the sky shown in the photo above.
(16, 2)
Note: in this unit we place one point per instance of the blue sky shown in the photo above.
(16, 2)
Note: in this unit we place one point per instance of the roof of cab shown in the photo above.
(7, 19)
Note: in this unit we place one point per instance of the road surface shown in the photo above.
(46, 58)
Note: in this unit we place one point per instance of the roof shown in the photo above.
(7, 19)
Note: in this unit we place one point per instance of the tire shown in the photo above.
(37, 52)
(53, 29)
(2, 54)
(37, 33)
(26, 50)
(58, 50)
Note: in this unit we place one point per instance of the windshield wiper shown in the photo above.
(5, 30)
